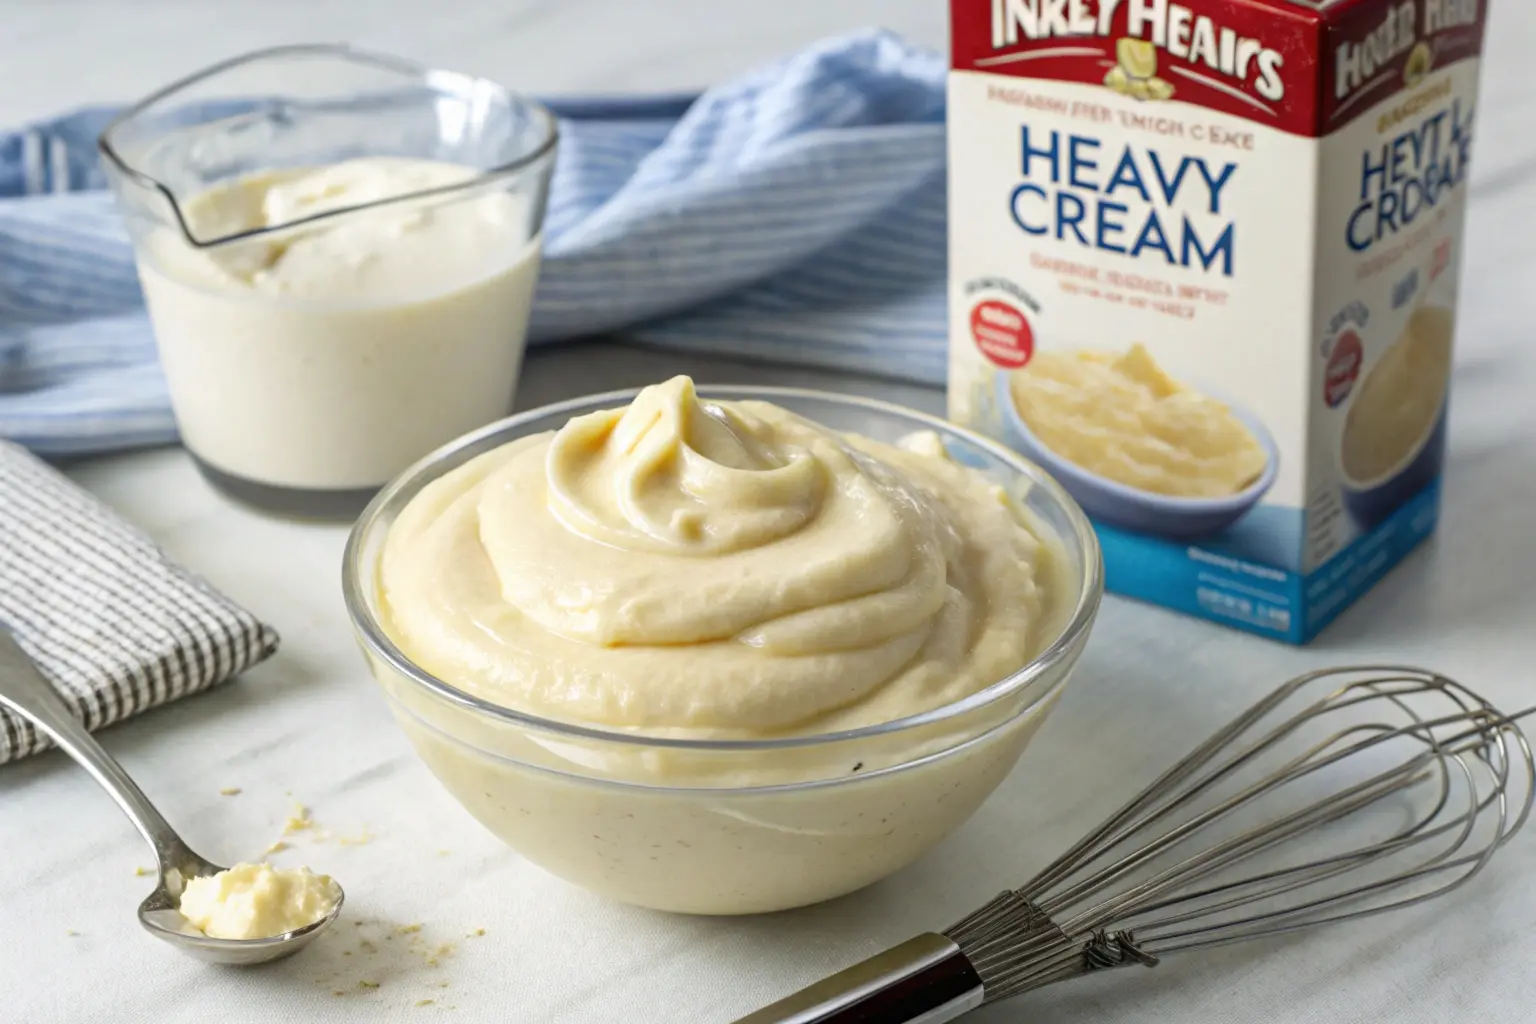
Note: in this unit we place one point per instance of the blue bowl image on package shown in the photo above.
(1141, 511)
(1372, 501)
(1393, 442)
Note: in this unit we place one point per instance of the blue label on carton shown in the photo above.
(1256, 597)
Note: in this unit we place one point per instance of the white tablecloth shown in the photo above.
(310, 722)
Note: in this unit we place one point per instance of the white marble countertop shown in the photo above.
(311, 723)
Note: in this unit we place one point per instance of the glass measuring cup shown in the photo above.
(338, 252)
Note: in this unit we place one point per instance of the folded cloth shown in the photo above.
(794, 214)
(106, 616)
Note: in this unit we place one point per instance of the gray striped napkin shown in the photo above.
(115, 625)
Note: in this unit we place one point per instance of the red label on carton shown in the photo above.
(1376, 48)
(1300, 68)
(1002, 333)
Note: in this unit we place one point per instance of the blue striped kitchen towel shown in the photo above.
(793, 214)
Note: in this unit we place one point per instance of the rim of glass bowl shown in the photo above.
(399, 492)
(453, 80)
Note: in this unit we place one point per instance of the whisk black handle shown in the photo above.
(922, 981)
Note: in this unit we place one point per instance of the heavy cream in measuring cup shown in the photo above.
(329, 356)
(1204, 261)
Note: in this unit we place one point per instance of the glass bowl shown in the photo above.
(731, 826)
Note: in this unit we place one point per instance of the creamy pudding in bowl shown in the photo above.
(1137, 448)
(1393, 442)
(722, 650)
(1122, 417)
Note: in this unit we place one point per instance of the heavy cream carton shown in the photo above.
(1203, 269)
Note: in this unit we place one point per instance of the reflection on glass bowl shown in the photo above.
(729, 826)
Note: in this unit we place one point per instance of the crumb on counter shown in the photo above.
(230, 791)
(140, 872)
(477, 933)
(361, 839)
(365, 983)
(425, 1002)
(408, 929)
(298, 821)
(278, 846)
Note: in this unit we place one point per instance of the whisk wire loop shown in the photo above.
(1233, 842)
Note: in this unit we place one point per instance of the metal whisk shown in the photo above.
(1345, 793)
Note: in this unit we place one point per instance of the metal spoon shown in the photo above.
(24, 690)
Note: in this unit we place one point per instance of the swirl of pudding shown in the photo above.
(713, 569)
